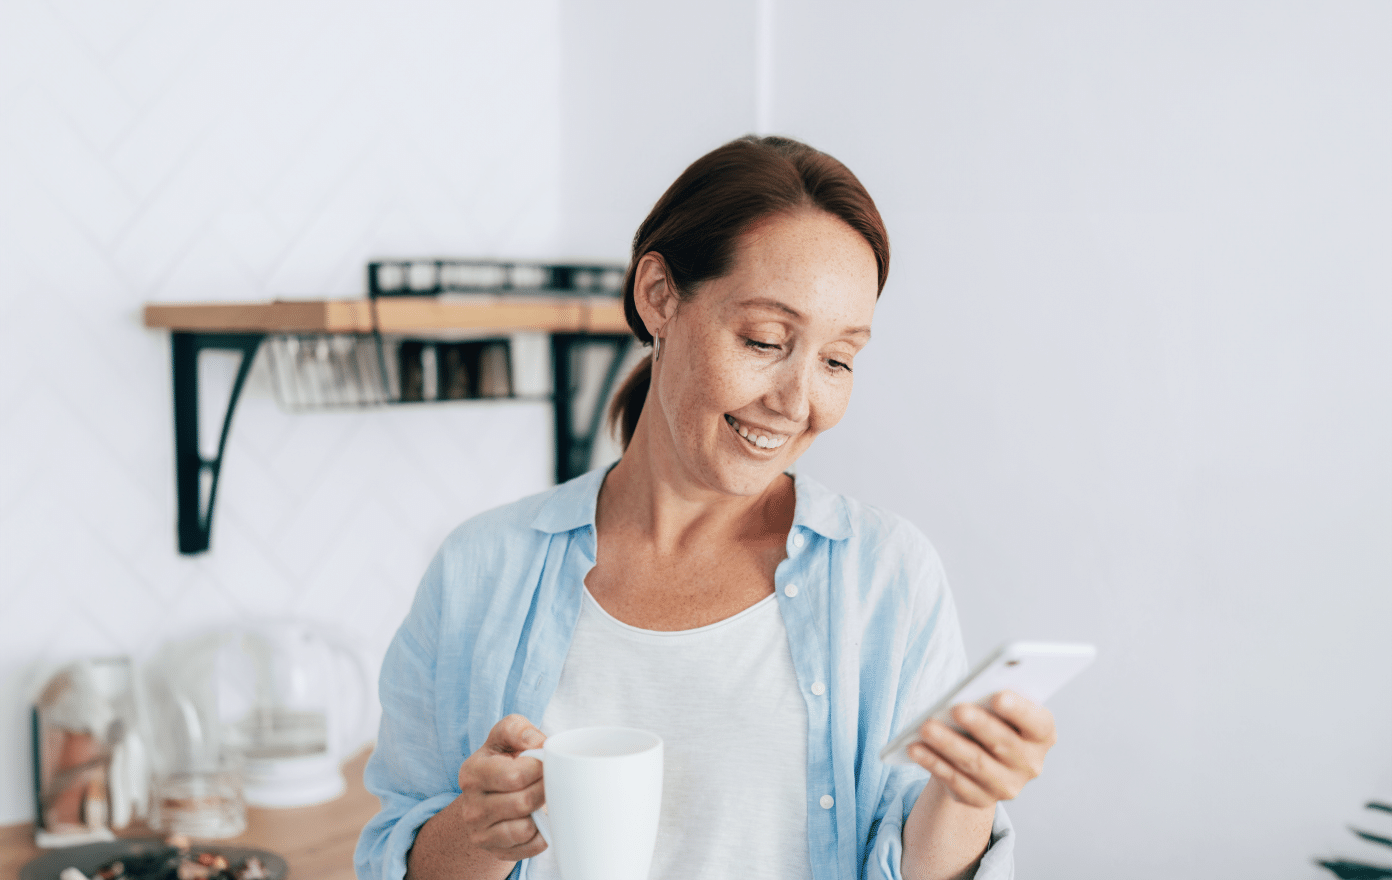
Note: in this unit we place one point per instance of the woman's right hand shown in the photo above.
(488, 827)
(499, 790)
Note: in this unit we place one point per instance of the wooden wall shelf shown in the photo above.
(574, 322)
(397, 314)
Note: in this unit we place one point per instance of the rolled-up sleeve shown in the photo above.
(934, 660)
(887, 855)
(405, 771)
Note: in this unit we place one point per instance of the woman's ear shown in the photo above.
(653, 292)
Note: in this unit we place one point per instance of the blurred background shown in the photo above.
(1132, 372)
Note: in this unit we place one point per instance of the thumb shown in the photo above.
(530, 738)
(515, 734)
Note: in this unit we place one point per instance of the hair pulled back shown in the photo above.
(696, 225)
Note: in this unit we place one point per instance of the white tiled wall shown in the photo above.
(211, 151)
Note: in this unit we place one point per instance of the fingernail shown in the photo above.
(1007, 700)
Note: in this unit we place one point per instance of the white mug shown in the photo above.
(603, 796)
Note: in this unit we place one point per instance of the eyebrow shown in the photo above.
(792, 312)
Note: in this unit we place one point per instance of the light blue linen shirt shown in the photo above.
(870, 622)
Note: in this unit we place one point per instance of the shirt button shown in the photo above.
(818, 688)
(790, 591)
(799, 540)
(826, 801)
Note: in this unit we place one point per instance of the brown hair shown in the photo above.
(694, 227)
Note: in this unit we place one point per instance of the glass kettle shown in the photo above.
(280, 703)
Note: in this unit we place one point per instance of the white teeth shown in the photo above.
(756, 439)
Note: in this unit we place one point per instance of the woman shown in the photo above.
(775, 634)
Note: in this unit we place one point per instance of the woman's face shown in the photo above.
(759, 362)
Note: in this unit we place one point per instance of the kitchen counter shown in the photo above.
(316, 841)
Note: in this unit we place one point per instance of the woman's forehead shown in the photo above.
(807, 267)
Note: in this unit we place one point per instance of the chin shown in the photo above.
(752, 486)
(748, 478)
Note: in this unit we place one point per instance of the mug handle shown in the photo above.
(543, 822)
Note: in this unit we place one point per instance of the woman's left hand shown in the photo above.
(1004, 749)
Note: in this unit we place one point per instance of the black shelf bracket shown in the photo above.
(196, 477)
(575, 448)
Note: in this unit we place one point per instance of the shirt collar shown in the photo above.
(572, 506)
(821, 510)
(572, 503)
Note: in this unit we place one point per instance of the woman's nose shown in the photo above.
(791, 395)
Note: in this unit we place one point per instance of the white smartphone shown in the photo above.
(1034, 670)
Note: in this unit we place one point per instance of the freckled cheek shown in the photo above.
(697, 382)
(829, 404)
(731, 383)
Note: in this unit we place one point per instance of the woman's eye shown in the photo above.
(761, 346)
(838, 366)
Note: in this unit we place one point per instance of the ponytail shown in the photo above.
(627, 404)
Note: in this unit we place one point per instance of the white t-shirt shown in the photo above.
(725, 700)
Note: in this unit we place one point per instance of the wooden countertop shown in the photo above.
(396, 314)
(316, 841)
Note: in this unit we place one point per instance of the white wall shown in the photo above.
(1133, 374)
(1131, 371)
(647, 88)
(225, 151)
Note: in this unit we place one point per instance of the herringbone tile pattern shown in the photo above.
(202, 151)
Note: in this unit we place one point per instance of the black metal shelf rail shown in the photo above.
(432, 277)
(197, 477)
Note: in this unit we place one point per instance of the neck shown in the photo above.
(648, 495)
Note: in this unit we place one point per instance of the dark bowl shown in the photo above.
(90, 857)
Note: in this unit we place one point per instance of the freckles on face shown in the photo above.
(759, 362)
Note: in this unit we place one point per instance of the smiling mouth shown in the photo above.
(754, 438)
